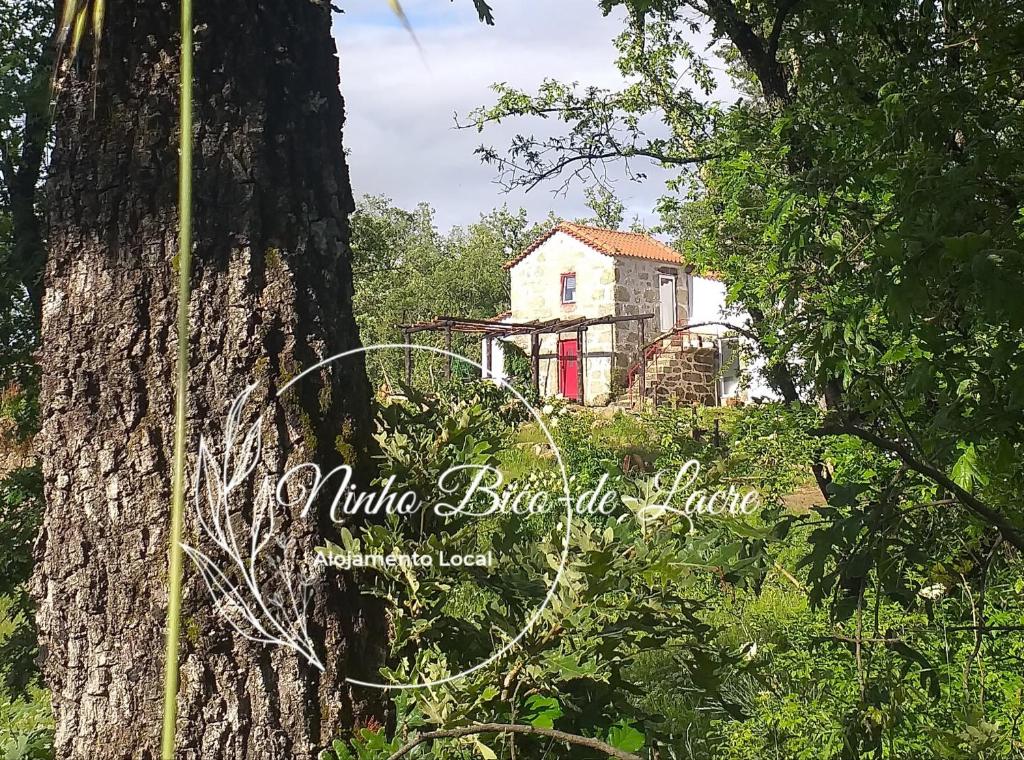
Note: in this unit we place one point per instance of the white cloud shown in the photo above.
(400, 128)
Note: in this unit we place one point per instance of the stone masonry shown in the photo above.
(536, 283)
(683, 374)
(637, 292)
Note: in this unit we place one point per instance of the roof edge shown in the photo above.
(576, 231)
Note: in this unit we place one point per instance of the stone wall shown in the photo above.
(637, 292)
(688, 376)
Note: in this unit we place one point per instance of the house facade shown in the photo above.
(579, 272)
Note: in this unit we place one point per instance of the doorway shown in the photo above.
(568, 368)
(667, 299)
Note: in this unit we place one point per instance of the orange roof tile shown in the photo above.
(609, 242)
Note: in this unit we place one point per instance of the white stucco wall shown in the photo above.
(708, 305)
(497, 358)
(536, 295)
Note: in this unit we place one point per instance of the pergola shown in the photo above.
(489, 329)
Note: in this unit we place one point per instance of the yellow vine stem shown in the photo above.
(181, 382)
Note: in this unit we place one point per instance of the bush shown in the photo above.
(517, 366)
(20, 515)
(26, 725)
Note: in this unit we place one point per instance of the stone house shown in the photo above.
(575, 271)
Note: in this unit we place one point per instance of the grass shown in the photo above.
(626, 434)
(524, 455)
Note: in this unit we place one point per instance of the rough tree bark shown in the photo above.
(272, 294)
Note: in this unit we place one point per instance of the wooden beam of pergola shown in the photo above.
(497, 328)
(613, 319)
(490, 329)
(582, 323)
(473, 326)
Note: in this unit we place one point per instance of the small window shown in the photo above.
(569, 288)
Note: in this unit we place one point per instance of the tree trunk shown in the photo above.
(272, 295)
(22, 180)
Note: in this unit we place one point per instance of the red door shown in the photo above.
(568, 370)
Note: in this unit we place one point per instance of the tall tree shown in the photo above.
(406, 271)
(272, 293)
(24, 127)
(858, 197)
(862, 199)
(609, 211)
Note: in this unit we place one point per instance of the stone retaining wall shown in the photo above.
(687, 377)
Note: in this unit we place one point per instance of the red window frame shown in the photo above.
(561, 287)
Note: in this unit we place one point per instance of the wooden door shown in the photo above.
(667, 297)
(568, 368)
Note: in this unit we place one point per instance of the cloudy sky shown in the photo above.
(401, 105)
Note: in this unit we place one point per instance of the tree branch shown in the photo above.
(992, 516)
(514, 728)
(574, 159)
(785, 9)
(752, 48)
(735, 328)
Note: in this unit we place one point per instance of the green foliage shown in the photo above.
(24, 95)
(609, 211)
(517, 367)
(421, 436)
(26, 729)
(623, 736)
(862, 202)
(770, 442)
(406, 271)
(19, 410)
(26, 726)
(20, 516)
(733, 639)
(585, 460)
(24, 87)
(368, 744)
(621, 596)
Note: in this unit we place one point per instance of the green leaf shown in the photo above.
(966, 472)
(623, 736)
(485, 752)
(543, 711)
(896, 353)
(341, 750)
